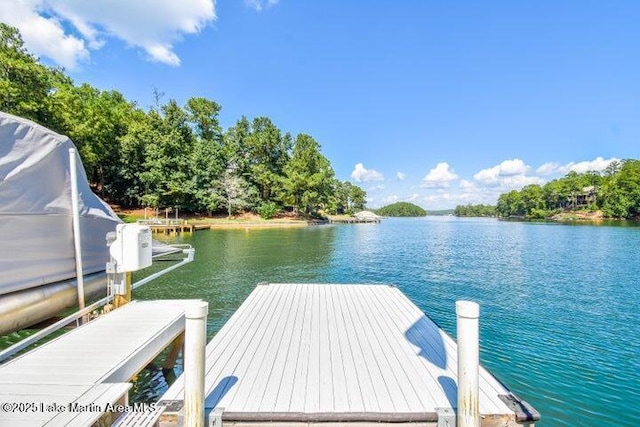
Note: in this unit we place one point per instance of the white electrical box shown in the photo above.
(132, 247)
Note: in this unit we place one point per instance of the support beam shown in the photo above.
(172, 357)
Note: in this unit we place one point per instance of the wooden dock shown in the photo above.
(167, 226)
(297, 354)
(353, 220)
(171, 229)
(77, 378)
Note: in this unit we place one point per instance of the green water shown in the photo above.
(560, 304)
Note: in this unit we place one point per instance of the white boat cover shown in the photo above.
(35, 209)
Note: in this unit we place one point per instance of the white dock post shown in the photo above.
(75, 206)
(194, 353)
(468, 414)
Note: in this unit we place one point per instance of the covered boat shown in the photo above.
(37, 258)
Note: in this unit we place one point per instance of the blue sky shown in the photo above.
(439, 103)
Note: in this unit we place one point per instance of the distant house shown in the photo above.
(583, 199)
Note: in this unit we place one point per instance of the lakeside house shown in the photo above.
(586, 197)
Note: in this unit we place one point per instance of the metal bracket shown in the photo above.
(115, 280)
(446, 417)
(110, 268)
(215, 417)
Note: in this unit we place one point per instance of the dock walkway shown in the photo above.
(304, 354)
(73, 379)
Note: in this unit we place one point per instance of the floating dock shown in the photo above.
(301, 354)
(292, 354)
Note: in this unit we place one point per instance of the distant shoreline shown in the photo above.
(236, 222)
(567, 216)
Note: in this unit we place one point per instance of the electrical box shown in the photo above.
(132, 248)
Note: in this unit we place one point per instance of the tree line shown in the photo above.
(172, 155)
(475, 210)
(615, 191)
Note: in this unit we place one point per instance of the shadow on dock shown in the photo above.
(220, 390)
(425, 335)
(450, 388)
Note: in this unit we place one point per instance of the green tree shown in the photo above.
(235, 149)
(510, 204)
(475, 210)
(347, 197)
(268, 153)
(207, 156)
(126, 186)
(96, 121)
(401, 209)
(357, 198)
(622, 191)
(25, 84)
(533, 200)
(308, 176)
(167, 169)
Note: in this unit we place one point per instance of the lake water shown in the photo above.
(560, 304)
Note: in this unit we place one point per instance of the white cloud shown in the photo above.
(361, 174)
(548, 169)
(258, 5)
(43, 36)
(504, 169)
(152, 25)
(376, 187)
(598, 164)
(401, 175)
(508, 175)
(440, 176)
(516, 182)
(467, 185)
(513, 167)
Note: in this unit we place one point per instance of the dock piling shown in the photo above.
(194, 354)
(468, 314)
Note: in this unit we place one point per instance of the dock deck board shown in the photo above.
(335, 353)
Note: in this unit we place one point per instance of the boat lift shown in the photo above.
(133, 237)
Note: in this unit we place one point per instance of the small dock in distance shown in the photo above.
(363, 217)
(302, 354)
(352, 220)
(168, 226)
